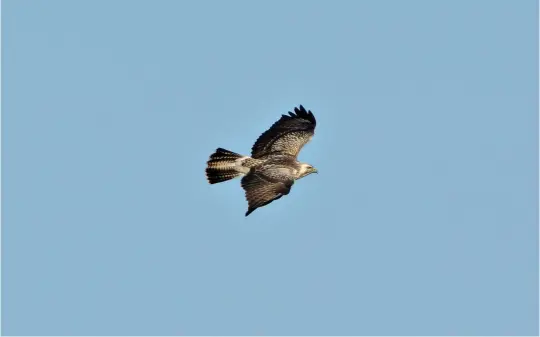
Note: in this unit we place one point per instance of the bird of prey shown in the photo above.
(272, 168)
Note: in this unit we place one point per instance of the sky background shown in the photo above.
(422, 219)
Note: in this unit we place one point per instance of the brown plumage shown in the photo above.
(273, 167)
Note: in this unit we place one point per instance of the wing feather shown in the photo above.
(286, 136)
(261, 190)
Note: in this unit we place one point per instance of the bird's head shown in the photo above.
(306, 169)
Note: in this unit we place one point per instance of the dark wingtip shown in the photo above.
(301, 112)
(249, 211)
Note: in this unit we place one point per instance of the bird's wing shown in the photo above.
(262, 189)
(286, 136)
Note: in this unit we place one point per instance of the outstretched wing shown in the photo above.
(261, 189)
(286, 136)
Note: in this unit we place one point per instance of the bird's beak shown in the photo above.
(315, 170)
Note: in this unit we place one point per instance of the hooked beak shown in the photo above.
(315, 171)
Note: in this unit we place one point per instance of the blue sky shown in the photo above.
(422, 219)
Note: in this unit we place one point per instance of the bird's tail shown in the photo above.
(222, 166)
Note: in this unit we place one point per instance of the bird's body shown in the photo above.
(273, 167)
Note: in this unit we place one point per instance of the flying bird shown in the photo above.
(273, 167)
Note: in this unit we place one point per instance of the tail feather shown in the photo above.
(222, 166)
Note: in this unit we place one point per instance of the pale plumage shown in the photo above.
(273, 167)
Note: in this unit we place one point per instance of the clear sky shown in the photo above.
(422, 219)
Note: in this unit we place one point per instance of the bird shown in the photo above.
(272, 169)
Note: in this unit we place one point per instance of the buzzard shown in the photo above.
(272, 168)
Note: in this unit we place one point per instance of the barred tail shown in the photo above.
(222, 166)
